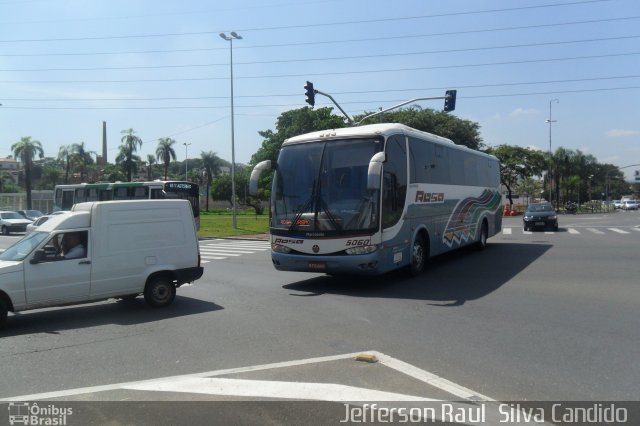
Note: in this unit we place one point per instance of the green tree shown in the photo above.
(50, 177)
(26, 150)
(294, 123)
(82, 157)
(151, 160)
(461, 132)
(291, 123)
(65, 155)
(5, 181)
(221, 189)
(126, 157)
(517, 163)
(111, 173)
(165, 152)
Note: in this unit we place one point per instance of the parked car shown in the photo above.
(540, 215)
(30, 214)
(630, 205)
(39, 221)
(12, 222)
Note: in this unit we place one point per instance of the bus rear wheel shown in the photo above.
(419, 256)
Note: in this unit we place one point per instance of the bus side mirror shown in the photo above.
(255, 175)
(38, 256)
(375, 171)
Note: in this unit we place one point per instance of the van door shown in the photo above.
(56, 278)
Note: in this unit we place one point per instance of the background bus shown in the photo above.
(66, 196)
(375, 198)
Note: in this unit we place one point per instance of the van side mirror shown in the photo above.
(375, 171)
(255, 175)
(38, 256)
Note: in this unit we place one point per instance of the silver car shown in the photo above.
(12, 222)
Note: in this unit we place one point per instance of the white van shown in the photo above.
(124, 248)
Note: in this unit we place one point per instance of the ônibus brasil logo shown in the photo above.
(26, 413)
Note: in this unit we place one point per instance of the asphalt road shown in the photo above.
(536, 316)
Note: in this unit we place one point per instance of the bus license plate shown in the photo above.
(318, 265)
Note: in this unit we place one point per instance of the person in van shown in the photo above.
(72, 246)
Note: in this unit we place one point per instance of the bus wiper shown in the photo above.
(321, 204)
(307, 204)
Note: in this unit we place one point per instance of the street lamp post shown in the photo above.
(186, 159)
(550, 153)
(230, 38)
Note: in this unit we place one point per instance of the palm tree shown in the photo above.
(64, 155)
(128, 162)
(151, 160)
(211, 163)
(82, 157)
(165, 152)
(130, 144)
(26, 149)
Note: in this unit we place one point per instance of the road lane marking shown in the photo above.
(273, 389)
(619, 231)
(506, 231)
(400, 366)
(573, 231)
(595, 231)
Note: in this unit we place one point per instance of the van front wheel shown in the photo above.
(160, 292)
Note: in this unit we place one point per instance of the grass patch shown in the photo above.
(219, 223)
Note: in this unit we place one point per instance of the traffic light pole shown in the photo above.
(335, 103)
(403, 104)
(449, 102)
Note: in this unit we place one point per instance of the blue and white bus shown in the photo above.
(370, 199)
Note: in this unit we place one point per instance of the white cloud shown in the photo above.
(518, 112)
(619, 133)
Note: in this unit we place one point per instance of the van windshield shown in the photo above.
(22, 248)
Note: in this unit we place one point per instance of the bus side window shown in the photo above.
(141, 193)
(92, 194)
(157, 194)
(120, 194)
(105, 195)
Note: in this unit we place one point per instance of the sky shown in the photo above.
(161, 68)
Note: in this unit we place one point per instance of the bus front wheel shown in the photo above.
(481, 244)
(419, 256)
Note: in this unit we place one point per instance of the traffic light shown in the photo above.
(450, 100)
(310, 94)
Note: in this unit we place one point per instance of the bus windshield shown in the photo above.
(322, 187)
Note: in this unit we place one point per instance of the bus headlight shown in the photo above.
(361, 250)
(280, 248)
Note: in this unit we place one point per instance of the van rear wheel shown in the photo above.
(160, 292)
